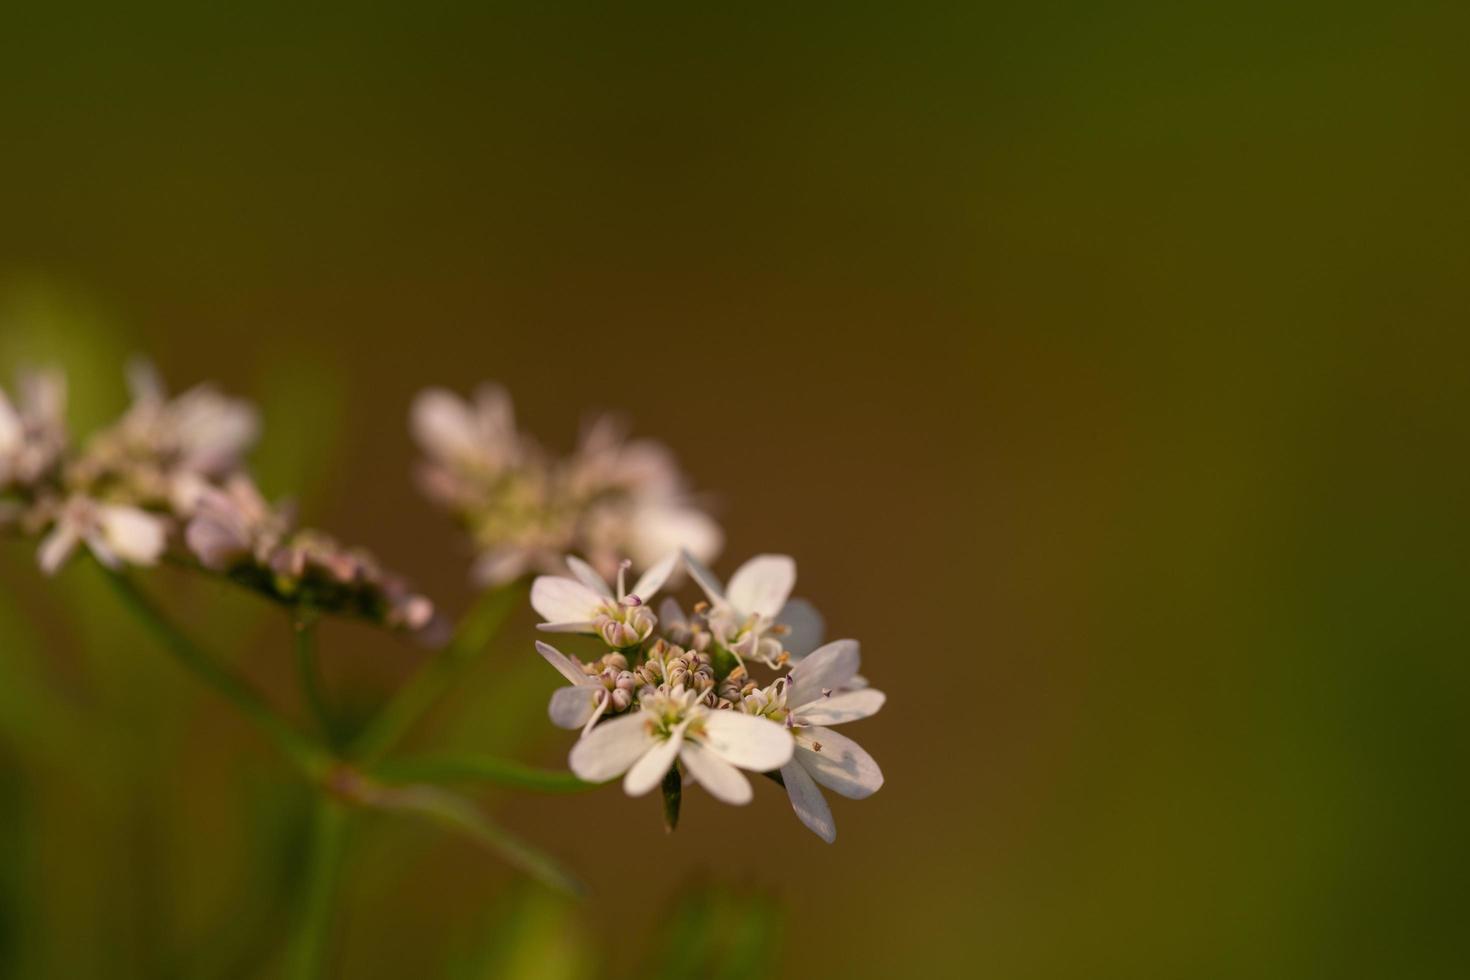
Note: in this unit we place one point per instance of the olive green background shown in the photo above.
(1104, 366)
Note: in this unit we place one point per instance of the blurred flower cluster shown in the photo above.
(612, 498)
(742, 682)
(167, 479)
(675, 694)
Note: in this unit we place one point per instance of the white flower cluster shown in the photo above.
(168, 478)
(524, 508)
(675, 693)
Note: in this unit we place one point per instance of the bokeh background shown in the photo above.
(1103, 365)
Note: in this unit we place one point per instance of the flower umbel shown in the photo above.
(524, 509)
(168, 478)
(678, 692)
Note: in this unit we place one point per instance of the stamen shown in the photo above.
(623, 567)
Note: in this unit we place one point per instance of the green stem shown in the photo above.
(479, 768)
(437, 676)
(308, 671)
(306, 754)
(311, 944)
(457, 813)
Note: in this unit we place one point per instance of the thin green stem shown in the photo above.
(437, 676)
(457, 813)
(311, 944)
(306, 754)
(478, 768)
(308, 671)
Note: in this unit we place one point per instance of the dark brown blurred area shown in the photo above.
(1104, 369)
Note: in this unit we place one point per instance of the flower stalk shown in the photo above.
(471, 768)
(435, 678)
(308, 669)
(308, 756)
(311, 944)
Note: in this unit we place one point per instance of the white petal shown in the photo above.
(806, 625)
(495, 411)
(144, 382)
(12, 430)
(134, 535)
(839, 708)
(442, 424)
(563, 600)
(570, 707)
(610, 748)
(649, 771)
(586, 626)
(588, 576)
(840, 764)
(757, 744)
(44, 395)
(808, 802)
(57, 548)
(762, 585)
(101, 550)
(828, 668)
(564, 665)
(499, 566)
(720, 779)
(669, 611)
(704, 578)
(657, 529)
(652, 580)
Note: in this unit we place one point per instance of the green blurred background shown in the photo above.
(1105, 367)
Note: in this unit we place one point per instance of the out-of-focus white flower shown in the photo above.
(639, 503)
(479, 437)
(817, 694)
(116, 534)
(166, 452)
(200, 431)
(234, 530)
(611, 499)
(32, 428)
(657, 527)
(234, 523)
(585, 604)
(713, 746)
(754, 617)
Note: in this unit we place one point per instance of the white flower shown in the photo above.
(753, 616)
(32, 429)
(588, 697)
(200, 431)
(657, 527)
(585, 604)
(233, 524)
(640, 504)
(819, 694)
(114, 533)
(712, 745)
(479, 436)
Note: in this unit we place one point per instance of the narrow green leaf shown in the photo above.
(457, 813)
(478, 768)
